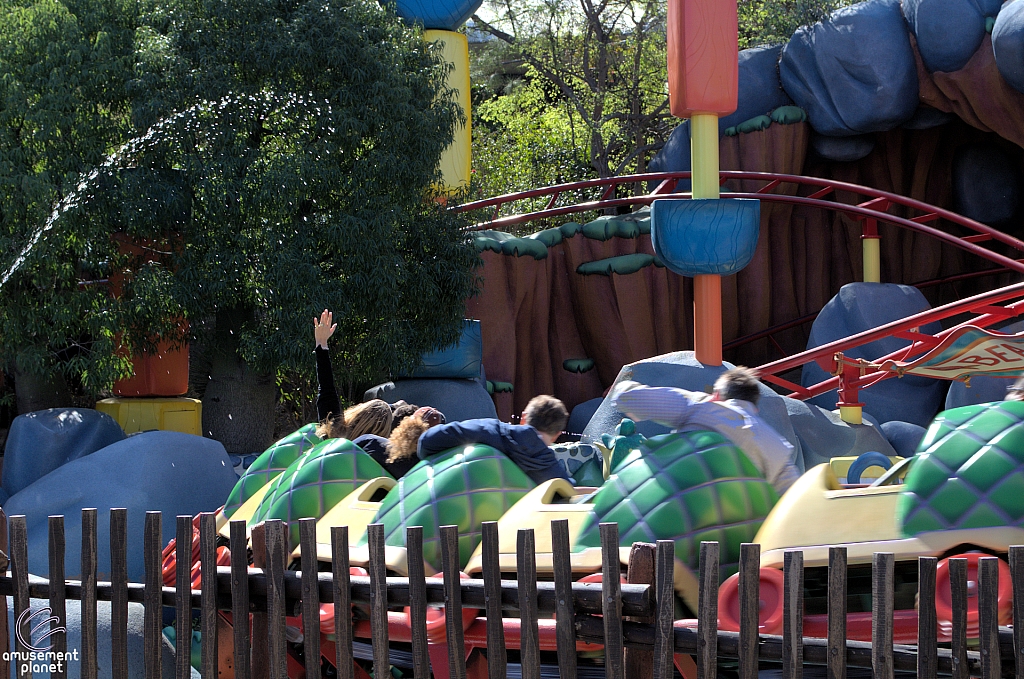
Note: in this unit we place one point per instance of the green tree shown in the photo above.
(605, 60)
(523, 139)
(64, 104)
(773, 22)
(281, 161)
(308, 135)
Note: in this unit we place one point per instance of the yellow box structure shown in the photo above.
(455, 161)
(145, 414)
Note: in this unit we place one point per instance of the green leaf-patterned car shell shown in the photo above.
(465, 486)
(687, 487)
(314, 483)
(968, 471)
(270, 464)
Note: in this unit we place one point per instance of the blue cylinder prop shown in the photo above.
(695, 237)
(445, 15)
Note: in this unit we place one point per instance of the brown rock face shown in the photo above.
(538, 313)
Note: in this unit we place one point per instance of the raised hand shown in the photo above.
(323, 328)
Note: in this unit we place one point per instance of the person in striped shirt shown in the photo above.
(730, 410)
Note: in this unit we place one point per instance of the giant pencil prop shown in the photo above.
(706, 237)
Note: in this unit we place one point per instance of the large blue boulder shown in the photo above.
(863, 306)
(903, 436)
(948, 32)
(674, 156)
(843, 149)
(855, 72)
(824, 435)
(1008, 43)
(163, 471)
(986, 183)
(760, 90)
(42, 441)
(926, 117)
(457, 399)
(581, 415)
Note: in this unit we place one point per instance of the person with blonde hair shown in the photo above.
(399, 454)
(369, 418)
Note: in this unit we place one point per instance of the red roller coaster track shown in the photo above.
(870, 206)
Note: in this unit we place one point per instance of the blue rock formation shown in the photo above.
(862, 306)
(843, 149)
(42, 441)
(161, 471)
(948, 32)
(986, 183)
(903, 436)
(760, 90)
(855, 72)
(1008, 43)
(457, 399)
(674, 156)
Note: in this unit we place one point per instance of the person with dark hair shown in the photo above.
(525, 444)
(730, 410)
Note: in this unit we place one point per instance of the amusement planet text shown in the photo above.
(31, 658)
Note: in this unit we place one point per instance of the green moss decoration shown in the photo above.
(578, 365)
(549, 237)
(754, 124)
(570, 229)
(788, 115)
(730, 131)
(622, 265)
(521, 247)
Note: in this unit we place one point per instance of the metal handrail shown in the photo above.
(869, 211)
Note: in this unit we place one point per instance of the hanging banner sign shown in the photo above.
(965, 352)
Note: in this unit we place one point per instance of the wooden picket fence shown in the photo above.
(633, 622)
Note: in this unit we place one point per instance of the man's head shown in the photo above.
(739, 383)
(547, 415)
(1016, 391)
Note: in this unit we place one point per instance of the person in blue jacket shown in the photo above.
(525, 444)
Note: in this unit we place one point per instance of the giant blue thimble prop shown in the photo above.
(445, 15)
(712, 236)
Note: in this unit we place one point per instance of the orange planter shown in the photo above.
(164, 373)
(703, 63)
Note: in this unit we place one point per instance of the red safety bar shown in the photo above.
(984, 305)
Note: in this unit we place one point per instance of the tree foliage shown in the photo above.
(65, 69)
(591, 99)
(310, 142)
(773, 22)
(605, 60)
(279, 160)
(526, 138)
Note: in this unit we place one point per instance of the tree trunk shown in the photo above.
(238, 403)
(40, 392)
